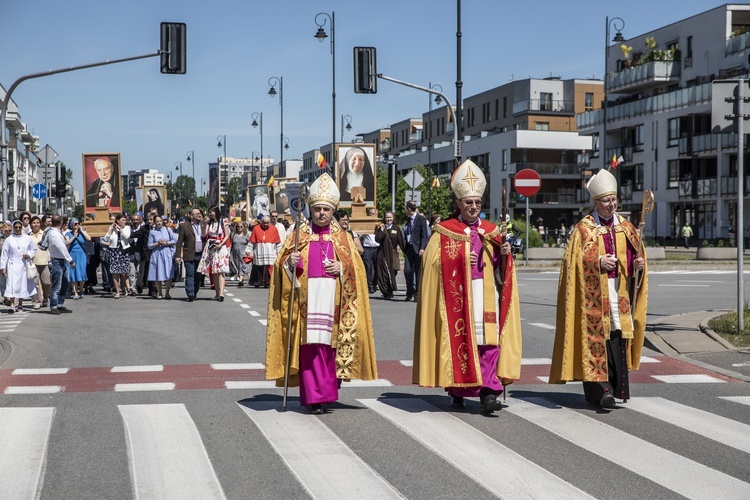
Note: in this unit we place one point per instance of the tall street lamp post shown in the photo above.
(191, 158)
(258, 118)
(618, 24)
(348, 120)
(321, 36)
(221, 144)
(273, 81)
(178, 167)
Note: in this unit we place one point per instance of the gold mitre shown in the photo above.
(468, 180)
(602, 184)
(324, 191)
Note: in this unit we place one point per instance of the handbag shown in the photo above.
(31, 272)
(247, 259)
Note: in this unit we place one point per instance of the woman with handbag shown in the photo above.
(239, 263)
(161, 242)
(75, 239)
(117, 242)
(16, 264)
(41, 261)
(391, 239)
(215, 258)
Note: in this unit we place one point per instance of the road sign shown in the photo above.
(415, 196)
(413, 179)
(39, 191)
(47, 155)
(527, 182)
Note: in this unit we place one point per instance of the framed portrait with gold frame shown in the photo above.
(356, 167)
(101, 179)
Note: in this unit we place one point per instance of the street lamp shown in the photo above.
(221, 144)
(191, 158)
(438, 101)
(348, 120)
(273, 81)
(178, 167)
(256, 167)
(321, 36)
(618, 24)
(258, 118)
(203, 186)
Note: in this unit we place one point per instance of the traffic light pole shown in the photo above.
(6, 102)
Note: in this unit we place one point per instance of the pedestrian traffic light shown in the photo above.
(11, 179)
(60, 183)
(173, 48)
(365, 70)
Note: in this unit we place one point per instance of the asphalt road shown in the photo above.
(97, 433)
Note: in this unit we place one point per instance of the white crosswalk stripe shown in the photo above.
(164, 456)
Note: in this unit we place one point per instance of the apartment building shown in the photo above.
(658, 120)
(136, 178)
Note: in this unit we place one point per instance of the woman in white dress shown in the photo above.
(18, 250)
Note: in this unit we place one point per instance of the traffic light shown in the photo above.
(11, 179)
(174, 48)
(365, 70)
(391, 175)
(60, 183)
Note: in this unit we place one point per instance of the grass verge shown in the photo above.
(726, 326)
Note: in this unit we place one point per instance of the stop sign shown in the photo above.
(527, 182)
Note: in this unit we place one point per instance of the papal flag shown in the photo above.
(322, 163)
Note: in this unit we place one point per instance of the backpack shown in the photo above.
(44, 243)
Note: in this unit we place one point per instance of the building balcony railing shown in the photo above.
(548, 169)
(642, 76)
(543, 105)
(415, 137)
(691, 96)
(558, 198)
(706, 143)
(729, 185)
(737, 43)
(703, 187)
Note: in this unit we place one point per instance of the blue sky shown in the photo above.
(235, 46)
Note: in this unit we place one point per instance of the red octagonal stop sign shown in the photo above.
(527, 182)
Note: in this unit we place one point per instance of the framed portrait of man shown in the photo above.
(356, 167)
(259, 201)
(154, 198)
(281, 199)
(101, 179)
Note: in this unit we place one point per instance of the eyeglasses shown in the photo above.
(469, 203)
(610, 201)
(24, 217)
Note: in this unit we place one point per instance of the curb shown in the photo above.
(718, 338)
(6, 348)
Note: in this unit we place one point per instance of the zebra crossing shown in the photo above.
(168, 457)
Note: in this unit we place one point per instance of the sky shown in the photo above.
(235, 46)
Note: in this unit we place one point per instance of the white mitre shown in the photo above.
(324, 190)
(602, 184)
(468, 180)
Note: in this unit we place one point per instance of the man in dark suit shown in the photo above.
(138, 250)
(416, 234)
(189, 249)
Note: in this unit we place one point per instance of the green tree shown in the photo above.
(437, 200)
(181, 192)
(129, 206)
(234, 191)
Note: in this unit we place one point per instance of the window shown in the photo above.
(545, 101)
(497, 109)
(505, 159)
(589, 101)
(673, 132)
(542, 125)
(595, 145)
(673, 174)
(638, 139)
(505, 107)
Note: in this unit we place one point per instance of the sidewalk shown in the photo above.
(687, 336)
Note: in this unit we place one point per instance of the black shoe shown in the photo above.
(408, 298)
(316, 409)
(490, 404)
(371, 290)
(457, 402)
(64, 310)
(607, 401)
(190, 298)
(55, 311)
(414, 298)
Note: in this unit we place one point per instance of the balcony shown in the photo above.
(737, 44)
(703, 187)
(625, 151)
(543, 106)
(561, 197)
(644, 76)
(729, 186)
(547, 169)
(697, 144)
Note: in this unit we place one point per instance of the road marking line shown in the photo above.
(33, 389)
(668, 469)
(695, 378)
(136, 369)
(543, 325)
(683, 285)
(254, 313)
(546, 380)
(167, 456)
(648, 359)
(301, 440)
(745, 400)
(40, 371)
(474, 453)
(237, 300)
(24, 433)
(407, 362)
(245, 306)
(536, 361)
(250, 384)
(263, 322)
(154, 386)
(380, 382)
(721, 429)
(238, 366)
(229, 294)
